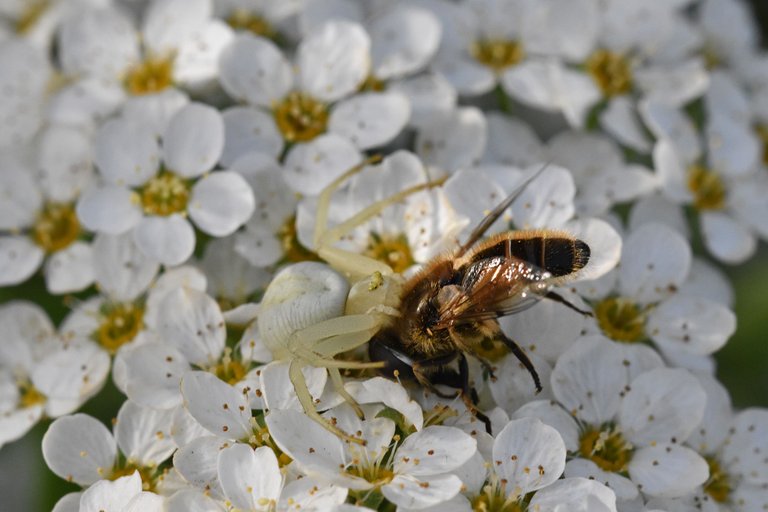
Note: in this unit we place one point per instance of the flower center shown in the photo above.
(300, 117)
(611, 71)
(497, 54)
(148, 475)
(493, 498)
(719, 484)
(762, 133)
(152, 75)
(165, 194)
(30, 15)
(29, 395)
(707, 188)
(229, 370)
(243, 19)
(371, 83)
(606, 448)
(56, 227)
(293, 250)
(120, 324)
(392, 250)
(621, 319)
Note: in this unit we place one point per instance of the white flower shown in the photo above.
(317, 108)
(414, 474)
(80, 449)
(122, 495)
(648, 300)
(38, 213)
(629, 418)
(151, 189)
(42, 373)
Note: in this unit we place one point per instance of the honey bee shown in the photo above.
(451, 307)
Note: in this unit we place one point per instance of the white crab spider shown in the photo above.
(372, 300)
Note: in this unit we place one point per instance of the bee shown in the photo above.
(451, 307)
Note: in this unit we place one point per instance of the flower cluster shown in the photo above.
(233, 197)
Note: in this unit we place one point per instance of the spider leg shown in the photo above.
(338, 385)
(308, 404)
(336, 335)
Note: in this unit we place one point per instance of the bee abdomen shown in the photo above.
(559, 255)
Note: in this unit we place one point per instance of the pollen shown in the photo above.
(29, 395)
(30, 15)
(497, 54)
(245, 20)
(762, 134)
(165, 194)
(707, 188)
(393, 250)
(56, 227)
(719, 484)
(621, 319)
(152, 75)
(611, 72)
(300, 117)
(607, 448)
(120, 323)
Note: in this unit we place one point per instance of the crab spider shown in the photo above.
(334, 317)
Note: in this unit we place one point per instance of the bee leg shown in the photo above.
(469, 394)
(562, 300)
(523, 358)
(420, 372)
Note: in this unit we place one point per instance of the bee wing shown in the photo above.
(495, 287)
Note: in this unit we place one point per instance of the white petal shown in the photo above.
(675, 84)
(670, 124)
(513, 386)
(512, 142)
(196, 65)
(434, 450)
(333, 60)
(307, 494)
(660, 210)
(169, 240)
(249, 129)
(15, 424)
(403, 40)
(19, 259)
(216, 405)
(221, 202)
(734, 147)
(122, 271)
(417, 493)
(580, 495)
(662, 405)
(154, 111)
(589, 378)
(547, 201)
(624, 488)
(620, 120)
(153, 374)
(198, 463)
(431, 96)
(80, 449)
(144, 434)
(109, 209)
(552, 414)
(65, 162)
(310, 167)
(691, 324)
(126, 152)
(391, 394)
(249, 477)
(194, 140)
(727, 239)
(68, 503)
(187, 277)
(253, 69)
(454, 142)
(655, 261)
(278, 389)
(20, 193)
(111, 495)
(529, 455)
(70, 376)
(167, 23)
(713, 429)
(192, 322)
(668, 470)
(370, 119)
(70, 270)
(744, 450)
(193, 500)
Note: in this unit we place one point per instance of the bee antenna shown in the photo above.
(494, 214)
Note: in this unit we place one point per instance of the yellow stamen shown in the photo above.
(242, 19)
(31, 14)
(607, 448)
(707, 188)
(165, 194)
(392, 250)
(497, 54)
(611, 71)
(120, 324)
(152, 75)
(300, 117)
(719, 484)
(621, 319)
(293, 250)
(56, 227)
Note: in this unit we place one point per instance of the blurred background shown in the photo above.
(27, 485)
